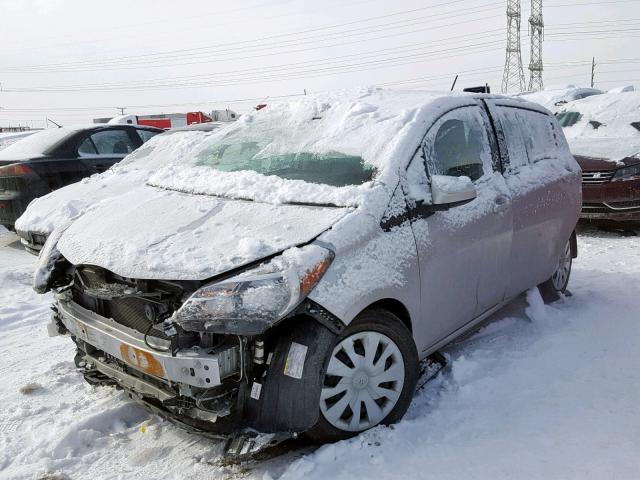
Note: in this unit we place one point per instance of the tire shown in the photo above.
(395, 346)
(552, 290)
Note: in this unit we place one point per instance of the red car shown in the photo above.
(604, 135)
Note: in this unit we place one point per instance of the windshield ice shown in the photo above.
(327, 149)
(267, 151)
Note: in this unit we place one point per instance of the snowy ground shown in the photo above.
(542, 392)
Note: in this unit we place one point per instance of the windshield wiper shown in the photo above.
(313, 204)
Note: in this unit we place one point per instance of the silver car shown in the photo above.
(288, 274)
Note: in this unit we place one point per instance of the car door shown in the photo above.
(100, 150)
(463, 250)
(537, 178)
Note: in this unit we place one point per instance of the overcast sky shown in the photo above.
(73, 60)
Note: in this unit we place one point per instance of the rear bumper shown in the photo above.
(32, 241)
(12, 205)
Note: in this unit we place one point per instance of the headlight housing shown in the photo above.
(253, 301)
(627, 173)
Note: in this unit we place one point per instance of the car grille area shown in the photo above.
(597, 178)
(136, 305)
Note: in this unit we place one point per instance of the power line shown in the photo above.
(260, 40)
(262, 55)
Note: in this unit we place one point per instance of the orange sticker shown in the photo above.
(141, 360)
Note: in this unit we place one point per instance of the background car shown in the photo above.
(555, 98)
(50, 159)
(604, 135)
(46, 213)
(9, 138)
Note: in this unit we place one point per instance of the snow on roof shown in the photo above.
(612, 114)
(37, 144)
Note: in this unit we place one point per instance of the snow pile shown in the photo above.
(541, 392)
(604, 128)
(46, 213)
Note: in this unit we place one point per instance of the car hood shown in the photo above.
(614, 150)
(589, 164)
(151, 233)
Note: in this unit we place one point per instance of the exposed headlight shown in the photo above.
(627, 173)
(249, 303)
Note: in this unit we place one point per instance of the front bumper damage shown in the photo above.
(232, 390)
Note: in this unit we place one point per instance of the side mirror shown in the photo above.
(447, 190)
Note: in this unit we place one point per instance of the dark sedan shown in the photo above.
(51, 159)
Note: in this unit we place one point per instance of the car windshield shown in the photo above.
(568, 119)
(234, 154)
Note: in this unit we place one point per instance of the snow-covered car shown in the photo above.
(51, 159)
(604, 135)
(289, 273)
(555, 98)
(46, 213)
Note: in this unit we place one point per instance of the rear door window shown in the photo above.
(110, 142)
(531, 136)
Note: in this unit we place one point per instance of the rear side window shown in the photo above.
(531, 136)
(146, 135)
(112, 142)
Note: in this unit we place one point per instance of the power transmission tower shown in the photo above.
(513, 77)
(536, 30)
(593, 72)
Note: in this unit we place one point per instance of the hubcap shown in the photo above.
(561, 275)
(364, 380)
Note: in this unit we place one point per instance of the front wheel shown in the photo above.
(371, 377)
(557, 284)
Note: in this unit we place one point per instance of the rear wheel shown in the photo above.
(371, 377)
(557, 284)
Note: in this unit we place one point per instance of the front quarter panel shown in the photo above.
(370, 265)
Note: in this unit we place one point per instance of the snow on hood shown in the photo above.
(379, 126)
(616, 138)
(46, 213)
(158, 234)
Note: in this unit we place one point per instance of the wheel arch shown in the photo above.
(395, 307)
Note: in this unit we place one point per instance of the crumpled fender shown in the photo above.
(49, 256)
(286, 403)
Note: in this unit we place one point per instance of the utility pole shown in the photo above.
(593, 72)
(513, 77)
(536, 31)
(122, 109)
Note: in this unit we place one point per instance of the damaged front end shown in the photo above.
(242, 353)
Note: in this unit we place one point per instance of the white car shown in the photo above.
(287, 274)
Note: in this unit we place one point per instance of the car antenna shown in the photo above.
(49, 120)
(455, 80)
